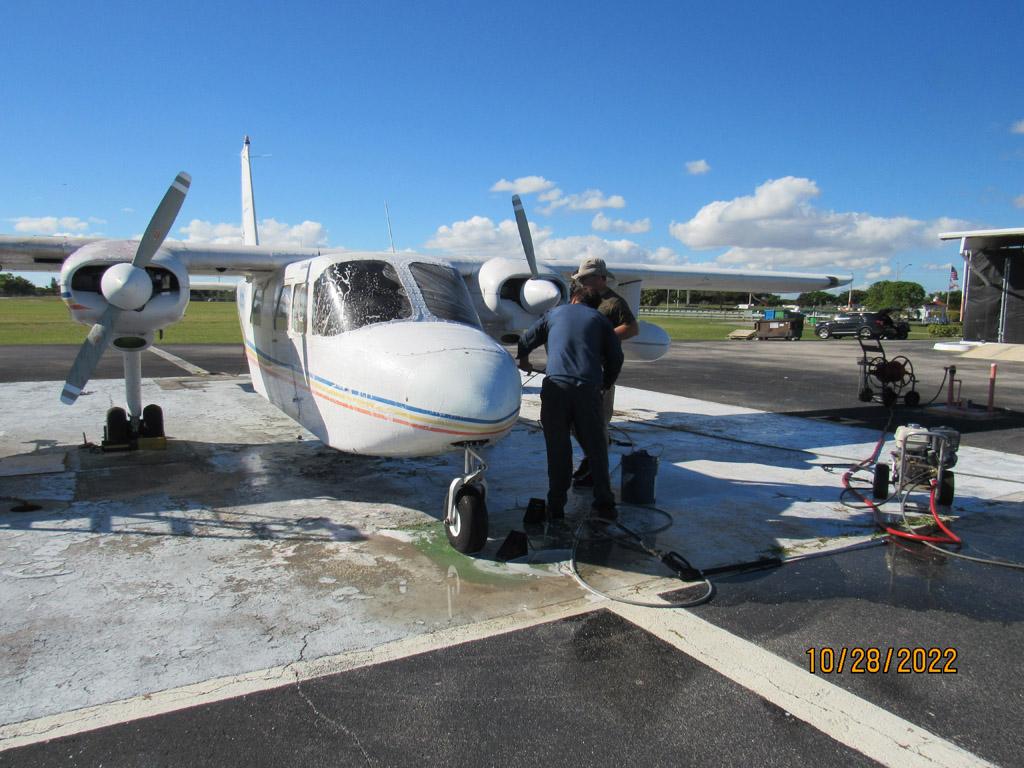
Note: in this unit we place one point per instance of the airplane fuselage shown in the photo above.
(376, 354)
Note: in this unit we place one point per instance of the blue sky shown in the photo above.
(813, 137)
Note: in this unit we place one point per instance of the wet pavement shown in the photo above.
(305, 607)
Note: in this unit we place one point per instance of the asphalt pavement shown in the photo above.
(598, 690)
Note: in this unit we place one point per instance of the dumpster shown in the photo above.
(790, 328)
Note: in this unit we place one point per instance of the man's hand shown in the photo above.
(524, 364)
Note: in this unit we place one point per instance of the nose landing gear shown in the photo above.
(465, 506)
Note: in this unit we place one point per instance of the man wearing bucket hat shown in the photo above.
(584, 357)
(593, 273)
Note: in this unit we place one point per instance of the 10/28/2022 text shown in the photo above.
(870, 660)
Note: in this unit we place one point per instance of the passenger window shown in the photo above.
(352, 294)
(257, 303)
(299, 309)
(283, 308)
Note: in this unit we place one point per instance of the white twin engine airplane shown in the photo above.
(375, 353)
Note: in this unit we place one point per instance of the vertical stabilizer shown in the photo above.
(249, 234)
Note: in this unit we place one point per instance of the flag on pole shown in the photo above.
(953, 277)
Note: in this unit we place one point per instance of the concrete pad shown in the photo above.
(248, 545)
(1003, 353)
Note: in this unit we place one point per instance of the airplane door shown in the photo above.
(298, 325)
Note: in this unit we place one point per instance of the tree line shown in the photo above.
(885, 294)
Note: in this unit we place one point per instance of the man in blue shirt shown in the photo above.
(584, 359)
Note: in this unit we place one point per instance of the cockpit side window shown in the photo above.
(352, 294)
(445, 293)
(255, 315)
(283, 308)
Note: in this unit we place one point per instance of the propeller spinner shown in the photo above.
(126, 287)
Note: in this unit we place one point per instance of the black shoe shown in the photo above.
(583, 481)
(606, 512)
(556, 514)
(583, 470)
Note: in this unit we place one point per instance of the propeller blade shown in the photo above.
(524, 233)
(162, 220)
(89, 355)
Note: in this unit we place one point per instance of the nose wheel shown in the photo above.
(465, 520)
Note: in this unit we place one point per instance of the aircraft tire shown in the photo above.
(468, 532)
(152, 421)
(118, 429)
(912, 398)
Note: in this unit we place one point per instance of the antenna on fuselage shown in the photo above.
(387, 215)
(249, 234)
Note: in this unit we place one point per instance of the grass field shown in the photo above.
(44, 320)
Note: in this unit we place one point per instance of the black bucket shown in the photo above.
(639, 476)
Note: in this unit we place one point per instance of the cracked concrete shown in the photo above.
(247, 545)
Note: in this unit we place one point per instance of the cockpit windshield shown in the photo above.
(352, 294)
(445, 293)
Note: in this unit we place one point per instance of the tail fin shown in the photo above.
(249, 234)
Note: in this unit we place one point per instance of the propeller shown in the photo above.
(128, 287)
(524, 233)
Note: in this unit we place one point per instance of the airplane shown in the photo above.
(379, 353)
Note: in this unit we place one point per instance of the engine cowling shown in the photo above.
(100, 274)
(513, 298)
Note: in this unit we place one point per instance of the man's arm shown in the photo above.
(613, 359)
(627, 330)
(534, 336)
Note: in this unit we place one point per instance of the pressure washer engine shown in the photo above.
(922, 457)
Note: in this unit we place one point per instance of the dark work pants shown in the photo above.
(565, 406)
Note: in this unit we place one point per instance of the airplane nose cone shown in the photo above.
(471, 383)
(438, 384)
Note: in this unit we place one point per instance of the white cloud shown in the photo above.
(1017, 127)
(480, 236)
(938, 267)
(1019, 201)
(524, 185)
(587, 200)
(884, 271)
(697, 167)
(778, 227)
(52, 225)
(623, 251)
(603, 224)
(308, 234)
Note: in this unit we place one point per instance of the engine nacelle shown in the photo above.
(82, 287)
(513, 299)
(651, 343)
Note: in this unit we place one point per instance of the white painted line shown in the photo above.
(837, 713)
(147, 705)
(195, 370)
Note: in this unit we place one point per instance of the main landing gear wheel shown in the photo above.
(152, 422)
(823, 333)
(467, 526)
(118, 428)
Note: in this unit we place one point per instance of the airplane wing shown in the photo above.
(38, 254)
(47, 254)
(706, 278)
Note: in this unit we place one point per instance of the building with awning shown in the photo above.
(993, 284)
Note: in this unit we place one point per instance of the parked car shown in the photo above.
(866, 325)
